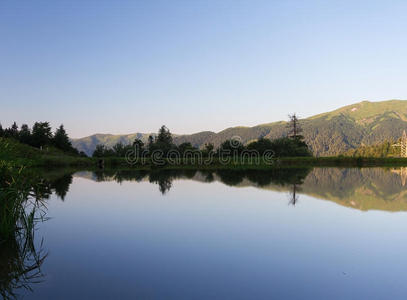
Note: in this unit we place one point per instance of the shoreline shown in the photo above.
(285, 162)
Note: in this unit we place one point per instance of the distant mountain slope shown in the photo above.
(88, 144)
(329, 133)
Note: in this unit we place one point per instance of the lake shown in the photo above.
(323, 233)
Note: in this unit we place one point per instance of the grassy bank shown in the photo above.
(18, 154)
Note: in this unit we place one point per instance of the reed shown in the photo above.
(20, 211)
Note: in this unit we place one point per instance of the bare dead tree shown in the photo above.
(293, 195)
(294, 126)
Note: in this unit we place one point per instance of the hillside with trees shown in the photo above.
(39, 146)
(327, 134)
(163, 141)
(40, 136)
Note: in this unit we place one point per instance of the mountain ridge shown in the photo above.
(329, 133)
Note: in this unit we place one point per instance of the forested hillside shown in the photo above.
(330, 133)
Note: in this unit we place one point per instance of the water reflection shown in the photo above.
(294, 195)
(20, 266)
(364, 189)
(164, 178)
(22, 258)
(21, 253)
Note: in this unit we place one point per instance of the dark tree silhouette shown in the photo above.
(208, 148)
(185, 147)
(14, 130)
(150, 141)
(25, 135)
(119, 149)
(295, 128)
(41, 134)
(139, 147)
(139, 143)
(261, 145)
(61, 139)
(231, 147)
(163, 141)
(61, 185)
(164, 136)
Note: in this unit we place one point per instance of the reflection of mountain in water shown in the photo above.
(364, 189)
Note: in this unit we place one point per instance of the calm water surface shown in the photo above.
(296, 234)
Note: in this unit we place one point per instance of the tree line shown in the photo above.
(40, 136)
(289, 146)
(385, 149)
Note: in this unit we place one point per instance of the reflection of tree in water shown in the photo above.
(42, 185)
(208, 175)
(385, 188)
(164, 185)
(164, 178)
(61, 185)
(130, 175)
(279, 176)
(293, 195)
(231, 177)
(120, 175)
(104, 175)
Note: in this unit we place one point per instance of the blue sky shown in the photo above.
(131, 66)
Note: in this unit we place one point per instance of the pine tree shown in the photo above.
(119, 150)
(14, 130)
(138, 146)
(100, 151)
(150, 141)
(25, 134)
(164, 136)
(61, 139)
(41, 134)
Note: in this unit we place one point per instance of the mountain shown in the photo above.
(330, 133)
(88, 144)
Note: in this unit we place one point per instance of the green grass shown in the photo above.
(19, 154)
(366, 109)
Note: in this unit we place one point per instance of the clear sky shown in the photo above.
(131, 66)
